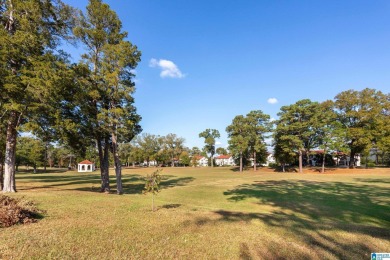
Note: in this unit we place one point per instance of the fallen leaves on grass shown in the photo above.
(17, 211)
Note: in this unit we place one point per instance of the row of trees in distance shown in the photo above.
(355, 122)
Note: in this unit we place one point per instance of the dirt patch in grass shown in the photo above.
(17, 211)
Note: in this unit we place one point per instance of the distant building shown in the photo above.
(148, 164)
(270, 160)
(86, 166)
(224, 160)
(342, 160)
(201, 160)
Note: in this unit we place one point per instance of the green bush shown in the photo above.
(370, 164)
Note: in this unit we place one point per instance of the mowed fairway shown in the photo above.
(205, 213)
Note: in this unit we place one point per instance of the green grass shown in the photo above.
(205, 213)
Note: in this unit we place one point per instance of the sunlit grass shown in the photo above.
(205, 213)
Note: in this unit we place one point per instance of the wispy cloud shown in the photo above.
(168, 68)
(272, 101)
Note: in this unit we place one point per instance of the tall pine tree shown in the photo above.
(110, 115)
(29, 36)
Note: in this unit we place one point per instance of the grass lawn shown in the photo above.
(205, 213)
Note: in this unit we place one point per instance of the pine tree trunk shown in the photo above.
(254, 161)
(101, 162)
(45, 159)
(240, 161)
(1, 175)
(352, 160)
(307, 158)
(106, 164)
(1, 168)
(118, 165)
(376, 158)
(10, 152)
(366, 162)
(103, 158)
(300, 161)
(323, 162)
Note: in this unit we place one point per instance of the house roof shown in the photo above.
(86, 162)
(317, 151)
(223, 157)
(340, 153)
(198, 157)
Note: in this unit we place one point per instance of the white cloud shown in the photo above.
(168, 68)
(218, 143)
(272, 101)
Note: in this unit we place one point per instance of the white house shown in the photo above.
(270, 159)
(342, 160)
(86, 166)
(151, 163)
(224, 160)
(201, 160)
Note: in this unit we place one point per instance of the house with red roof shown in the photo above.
(201, 160)
(86, 166)
(224, 160)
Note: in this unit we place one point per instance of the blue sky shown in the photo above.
(204, 62)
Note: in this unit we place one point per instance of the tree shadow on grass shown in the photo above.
(369, 180)
(286, 169)
(330, 218)
(58, 181)
(42, 171)
(132, 184)
(59, 177)
(319, 169)
(321, 200)
(169, 206)
(315, 235)
(318, 207)
(168, 181)
(237, 169)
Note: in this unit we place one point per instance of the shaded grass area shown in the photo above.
(321, 200)
(312, 209)
(205, 213)
(132, 183)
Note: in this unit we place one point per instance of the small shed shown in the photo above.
(86, 166)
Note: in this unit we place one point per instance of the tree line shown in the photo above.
(144, 150)
(355, 122)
